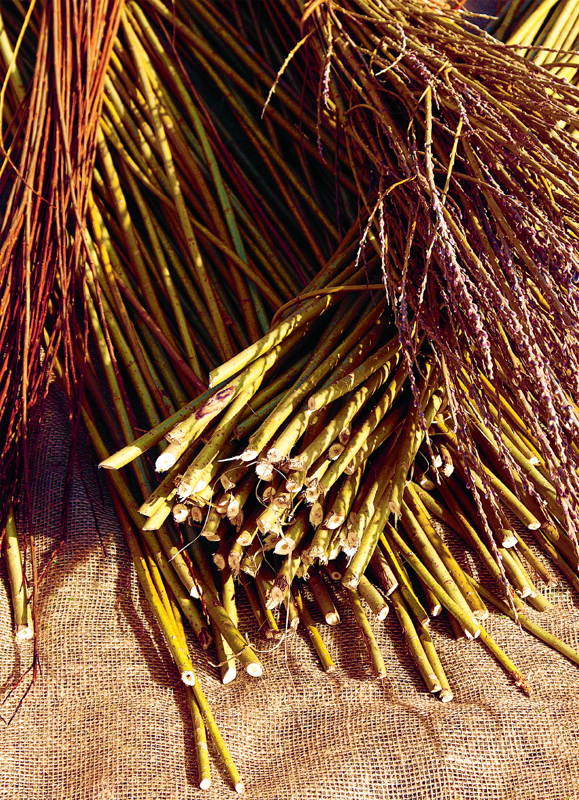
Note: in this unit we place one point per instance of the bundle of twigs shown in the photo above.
(475, 205)
(308, 455)
(547, 32)
(319, 465)
(48, 147)
(185, 264)
(444, 268)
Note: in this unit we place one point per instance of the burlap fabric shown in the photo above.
(107, 719)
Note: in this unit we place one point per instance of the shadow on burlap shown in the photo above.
(108, 720)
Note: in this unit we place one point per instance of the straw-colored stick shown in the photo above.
(323, 599)
(140, 446)
(209, 155)
(126, 225)
(201, 751)
(310, 311)
(414, 643)
(427, 642)
(411, 439)
(378, 605)
(406, 588)
(219, 616)
(476, 605)
(179, 653)
(22, 619)
(338, 347)
(527, 623)
(228, 671)
(431, 558)
(376, 657)
(386, 357)
(312, 631)
(176, 191)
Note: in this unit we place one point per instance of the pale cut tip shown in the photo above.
(509, 541)
(164, 462)
(436, 611)
(180, 512)
(534, 526)
(533, 459)
(205, 783)
(382, 614)
(436, 687)
(188, 677)
(25, 632)
(184, 490)
(249, 455)
(219, 561)
(229, 675)
(264, 471)
(333, 618)
(427, 484)
(152, 526)
(274, 456)
(255, 670)
(445, 695)
(274, 600)
(240, 788)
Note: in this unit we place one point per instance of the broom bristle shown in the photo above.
(474, 202)
(45, 176)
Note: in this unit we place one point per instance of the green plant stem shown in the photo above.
(22, 618)
(414, 643)
(323, 599)
(312, 631)
(376, 657)
(446, 694)
(219, 615)
(404, 585)
(201, 750)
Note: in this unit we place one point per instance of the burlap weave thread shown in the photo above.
(107, 720)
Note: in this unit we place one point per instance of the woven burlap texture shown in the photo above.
(107, 719)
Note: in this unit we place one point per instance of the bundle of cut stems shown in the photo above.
(322, 470)
(545, 32)
(475, 205)
(298, 461)
(183, 266)
(333, 451)
(47, 139)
